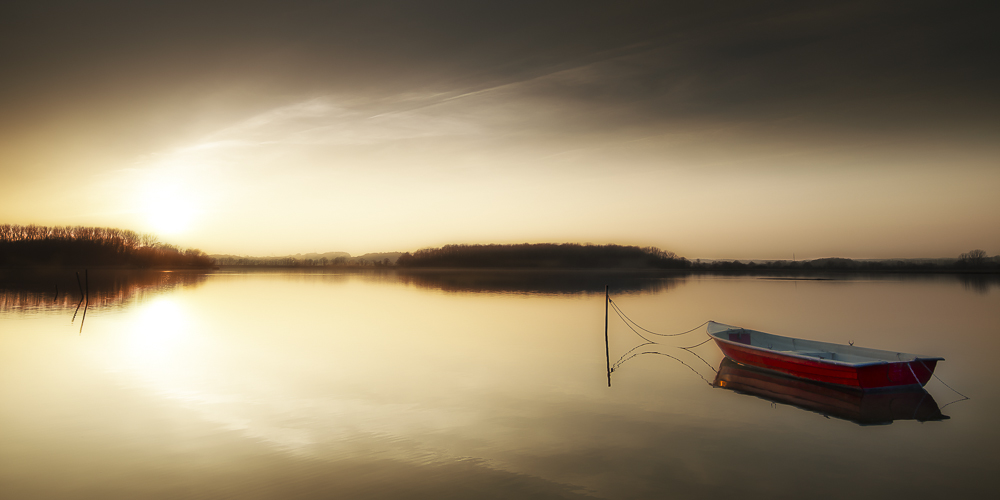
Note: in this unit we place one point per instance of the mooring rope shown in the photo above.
(696, 372)
(688, 349)
(623, 358)
(632, 325)
(699, 344)
(963, 398)
(629, 320)
(622, 316)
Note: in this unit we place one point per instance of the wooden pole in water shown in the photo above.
(607, 350)
(79, 284)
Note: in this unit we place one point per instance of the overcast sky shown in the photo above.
(713, 129)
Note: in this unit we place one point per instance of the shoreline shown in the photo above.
(752, 270)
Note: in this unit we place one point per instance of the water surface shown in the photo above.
(471, 385)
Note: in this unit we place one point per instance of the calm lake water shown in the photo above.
(466, 385)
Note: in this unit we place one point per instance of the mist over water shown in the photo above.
(443, 384)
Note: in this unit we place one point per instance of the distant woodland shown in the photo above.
(33, 246)
(544, 255)
(975, 261)
(575, 256)
(28, 246)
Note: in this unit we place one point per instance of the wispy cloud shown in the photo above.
(325, 121)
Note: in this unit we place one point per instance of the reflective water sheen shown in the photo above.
(462, 385)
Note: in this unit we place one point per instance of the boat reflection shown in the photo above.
(863, 408)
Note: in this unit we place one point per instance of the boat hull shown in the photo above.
(884, 375)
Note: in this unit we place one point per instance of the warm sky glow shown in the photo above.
(857, 130)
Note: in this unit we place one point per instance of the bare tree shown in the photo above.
(974, 258)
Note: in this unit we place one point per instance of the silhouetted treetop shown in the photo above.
(543, 255)
(974, 258)
(102, 246)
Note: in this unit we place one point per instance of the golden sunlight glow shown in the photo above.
(159, 334)
(243, 143)
(167, 208)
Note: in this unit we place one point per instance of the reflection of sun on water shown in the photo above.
(164, 352)
(270, 378)
(160, 336)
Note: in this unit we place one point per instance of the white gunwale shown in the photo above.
(851, 356)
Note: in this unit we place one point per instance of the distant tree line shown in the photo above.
(543, 255)
(33, 245)
(974, 261)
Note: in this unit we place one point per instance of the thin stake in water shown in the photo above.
(607, 350)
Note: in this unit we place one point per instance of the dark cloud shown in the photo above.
(146, 69)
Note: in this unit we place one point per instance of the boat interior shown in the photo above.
(808, 348)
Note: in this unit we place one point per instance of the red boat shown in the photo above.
(838, 364)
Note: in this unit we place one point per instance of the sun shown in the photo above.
(170, 220)
(168, 209)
